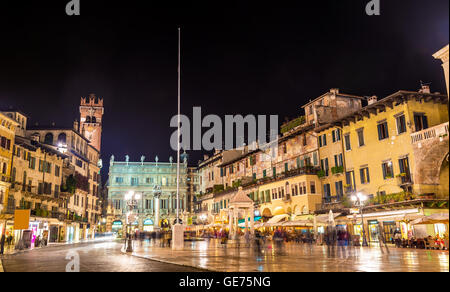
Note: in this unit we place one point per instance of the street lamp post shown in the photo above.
(131, 198)
(359, 200)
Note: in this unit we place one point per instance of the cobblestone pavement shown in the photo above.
(210, 254)
(94, 257)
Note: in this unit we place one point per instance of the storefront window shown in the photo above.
(440, 229)
(373, 231)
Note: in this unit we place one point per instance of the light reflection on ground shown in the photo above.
(210, 254)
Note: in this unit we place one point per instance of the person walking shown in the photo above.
(247, 238)
(382, 240)
(2, 243)
(397, 238)
(330, 240)
(258, 243)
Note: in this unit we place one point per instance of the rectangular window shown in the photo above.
(312, 186)
(338, 160)
(339, 189)
(324, 165)
(364, 174)
(388, 170)
(327, 192)
(315, 158)
(404, 170)
(383, 132)
(401, 124)
(336, 135)
(360, 137)
(350, 180)
(420, 121)
(348, 146)
(286, 167)
(264, 173)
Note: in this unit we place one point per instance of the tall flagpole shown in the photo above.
(178, 145)
(177, 228)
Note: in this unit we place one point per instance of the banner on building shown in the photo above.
(21, 219)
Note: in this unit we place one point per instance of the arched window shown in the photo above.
(93, 120)
(62, 138)
(48, 138)
(88, 119)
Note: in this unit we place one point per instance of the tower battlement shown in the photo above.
(91, 113)
(92, 100)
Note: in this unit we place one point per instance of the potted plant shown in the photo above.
(321, 173)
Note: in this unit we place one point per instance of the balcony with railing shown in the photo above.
(5, 178)
(306, 170)
(437, 132)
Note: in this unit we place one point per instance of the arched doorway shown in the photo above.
(279, 211)
(267, 213)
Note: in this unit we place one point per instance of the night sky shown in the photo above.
(239, 57)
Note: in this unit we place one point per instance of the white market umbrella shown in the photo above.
(432, 219)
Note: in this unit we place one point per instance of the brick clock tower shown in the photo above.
(91, 112)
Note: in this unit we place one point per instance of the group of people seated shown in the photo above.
(428, 242)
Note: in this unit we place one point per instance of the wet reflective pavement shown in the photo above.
(94, 257)
(293, 257)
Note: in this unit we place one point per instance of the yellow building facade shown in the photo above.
(378, 148)
(7, 133)
(332, 161)
(295, 195)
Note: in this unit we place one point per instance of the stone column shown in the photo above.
(230, 220)
(246, 220)
(442, 55)
(252, 220)
(156, 205)
(315, 227)
(170, 203)
(235, 223)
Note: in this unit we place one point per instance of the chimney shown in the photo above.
(371, 100)
(75, 125)
(35, 137)
(334, 90)
(425, 89)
